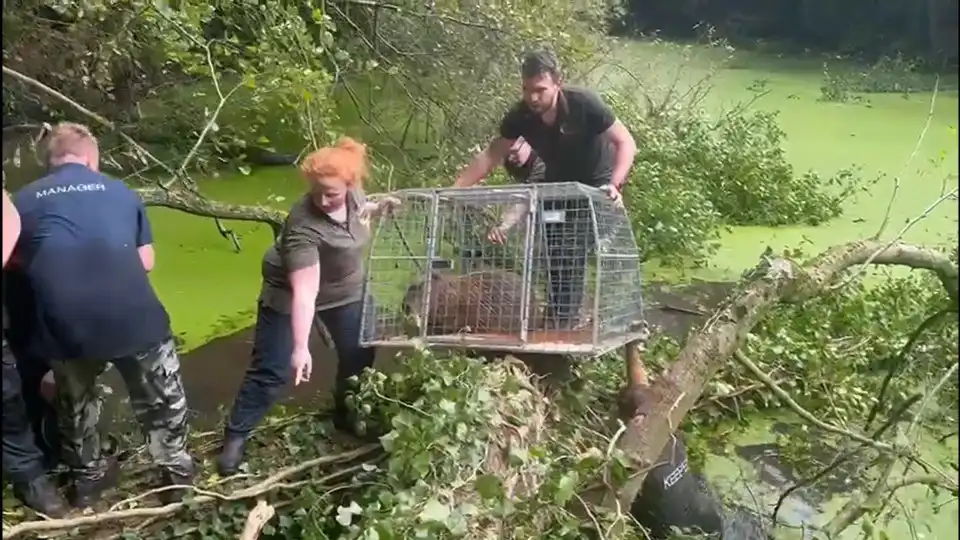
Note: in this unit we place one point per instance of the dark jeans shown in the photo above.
(270, 370)
(23, 461)
(42, 413)
(568, 246)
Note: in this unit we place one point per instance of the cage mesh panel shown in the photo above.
(566, 278)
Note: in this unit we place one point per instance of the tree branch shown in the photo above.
(189, 202)
(776, 280)
(431, 15)
(270, 484)
(29, 81)
(858, 506)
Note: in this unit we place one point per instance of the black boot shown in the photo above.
(341, 421)
(231, 455)
(42, 496)
(175, 478)
(345, 422)
(86, 492)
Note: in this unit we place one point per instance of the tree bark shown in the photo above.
(191, 203)
(775, 280)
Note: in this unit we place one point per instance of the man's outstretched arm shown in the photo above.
(11, 227)
(484, 163)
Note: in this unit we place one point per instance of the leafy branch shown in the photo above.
(275, 482)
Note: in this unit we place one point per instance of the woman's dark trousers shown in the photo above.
(270, 370)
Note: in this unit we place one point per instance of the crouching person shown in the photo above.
(86, 248)
(315, 270)
(672, 496)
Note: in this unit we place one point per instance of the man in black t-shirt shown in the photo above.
(579, 139)
(571, 129)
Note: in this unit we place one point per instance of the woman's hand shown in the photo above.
(387, 204)
(302, 364)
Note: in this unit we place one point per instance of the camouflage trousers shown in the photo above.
(156, 394)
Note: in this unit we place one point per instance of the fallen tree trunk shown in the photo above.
(774, 280)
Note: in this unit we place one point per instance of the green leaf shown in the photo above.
(489, 486)
(345, 513)
(387, 439)
(435, 511)
(565, 488)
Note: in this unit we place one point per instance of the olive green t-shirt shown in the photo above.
(309, 237)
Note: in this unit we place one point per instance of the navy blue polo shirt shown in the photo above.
(78, 251)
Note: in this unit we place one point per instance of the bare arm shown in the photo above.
(305, 283)
(513, 216)
(144, 238)
(11, 227)
(485, 162)
(299, 252)
(147, 256)
(624, 150)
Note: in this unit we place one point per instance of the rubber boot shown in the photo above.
(175, 478)
(86, 492)
(41, 495)
(231, 455)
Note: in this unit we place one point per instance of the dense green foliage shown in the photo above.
(695, 173)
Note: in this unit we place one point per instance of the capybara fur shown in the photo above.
(486, 301)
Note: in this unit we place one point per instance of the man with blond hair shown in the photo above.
(23, 461)
(85, 250)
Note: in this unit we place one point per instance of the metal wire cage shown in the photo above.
(447, 268)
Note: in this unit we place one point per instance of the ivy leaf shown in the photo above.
(489, 486)
(345, 513)
(565, 488)
(435, 511)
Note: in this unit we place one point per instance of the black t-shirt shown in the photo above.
(574, 148)
(673, 496)
(78, 251)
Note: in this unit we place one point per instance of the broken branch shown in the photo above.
(777, 280)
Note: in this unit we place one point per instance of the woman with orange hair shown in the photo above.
(315, 269)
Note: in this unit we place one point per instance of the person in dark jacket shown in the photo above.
(674, 497)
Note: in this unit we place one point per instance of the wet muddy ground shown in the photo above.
(212, 373)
